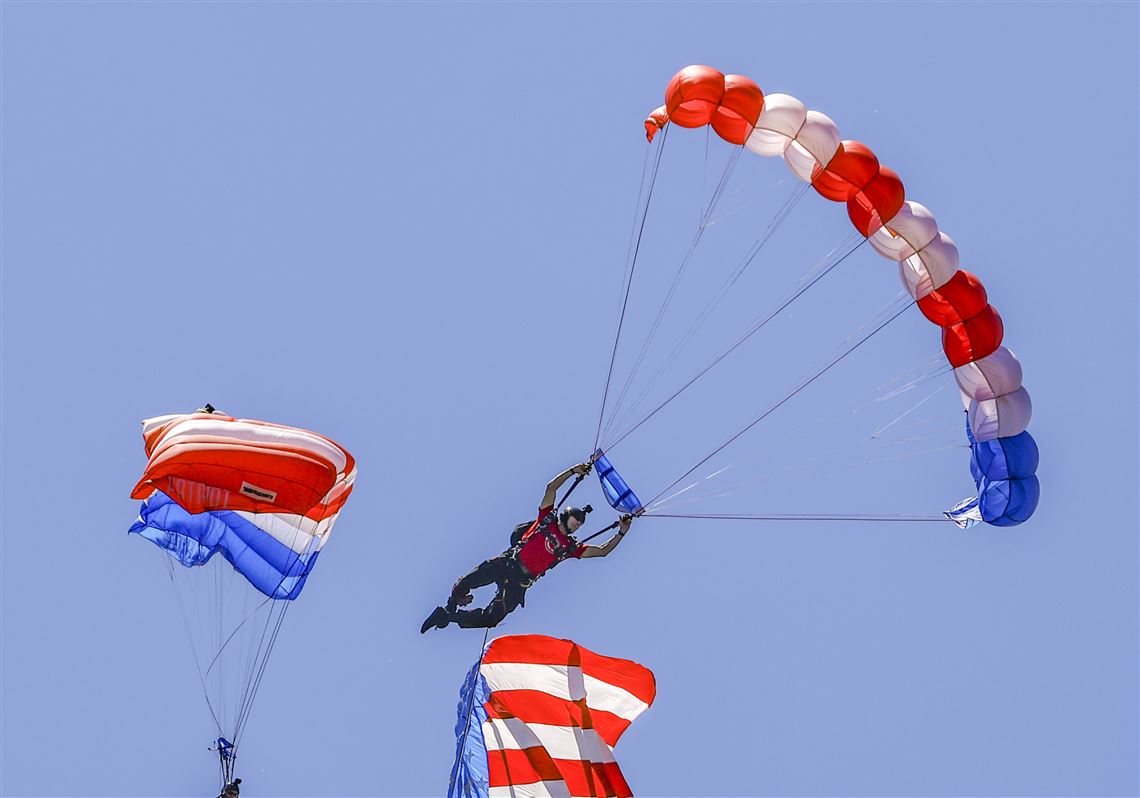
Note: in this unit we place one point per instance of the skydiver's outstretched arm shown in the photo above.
(552, 487)
(612, 543)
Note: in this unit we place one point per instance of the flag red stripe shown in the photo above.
(542, 650)
(515, 767)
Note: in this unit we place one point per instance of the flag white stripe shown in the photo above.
(538, 789)
(611, 698)
(561, 742)
(559, 681)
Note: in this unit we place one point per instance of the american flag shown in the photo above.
(540, 716)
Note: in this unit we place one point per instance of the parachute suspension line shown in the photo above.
(799, 188)
(774, 224)
(256, 684)
(261, 659)
(799, 517)
(633, 229)
(190, 636)
(629, 280)
(637, 208)
(219, 599)
(827, 457)
(933, 367)
(718, 192)
(904, 380)
(251, 650)
(907, 412)
(234, 632)
(772, 408)
(701, 217)
(739, 342)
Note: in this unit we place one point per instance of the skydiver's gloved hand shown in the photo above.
(582, 469)
(623, 525)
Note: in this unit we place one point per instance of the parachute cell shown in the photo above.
(909, 231)
(930, 267)
(1015, 457)
(972, 338)
(959, 298)
(1009, 502)
(851, 168)
(777, 125)
(1001, 417)
(813, 147)
(877, 202)
(988, 377)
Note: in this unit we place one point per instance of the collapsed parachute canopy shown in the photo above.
(262, 495)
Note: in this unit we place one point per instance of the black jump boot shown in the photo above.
(439, 618)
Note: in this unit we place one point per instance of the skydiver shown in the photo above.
(231, 790)
(549, 541)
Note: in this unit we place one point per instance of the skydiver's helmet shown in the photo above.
(566, 513)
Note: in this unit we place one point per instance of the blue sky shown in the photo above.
(404, 226)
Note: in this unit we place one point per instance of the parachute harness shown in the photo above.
(560, 552)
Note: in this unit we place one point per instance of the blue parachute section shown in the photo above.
(617, 492)
(193, 538)
(1008, 502)
(1015, 457)
(1004, 471)
(469, 775)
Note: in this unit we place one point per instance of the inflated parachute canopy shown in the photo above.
(264, 496)
(208, 461)
(539, 716)
(843, 170)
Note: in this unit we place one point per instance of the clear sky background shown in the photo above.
(405, 226)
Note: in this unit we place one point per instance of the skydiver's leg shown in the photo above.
(507, 598)
(486, 573)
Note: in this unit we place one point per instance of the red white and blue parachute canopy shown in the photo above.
(209, 461)
(847, 171)
(264, 496)
(539, 716)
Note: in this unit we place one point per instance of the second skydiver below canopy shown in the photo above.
(549, 541)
